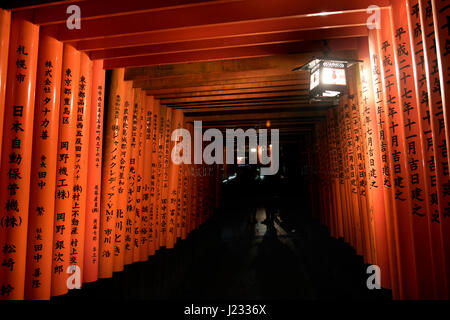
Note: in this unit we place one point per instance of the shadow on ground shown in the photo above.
(244, 253)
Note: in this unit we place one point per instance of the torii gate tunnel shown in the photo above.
(91, 93)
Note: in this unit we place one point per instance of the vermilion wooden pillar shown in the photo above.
(384, 149)
(5, 28)
(186, 201)
(339, 174)
(159, 176)
(357, 235)
(43, 173)
(139, 178)
(324, 178)
(147, 172)
(94, 180)
(181, 203)
(131, 176)
(124, 167)
(191, 188)
(361, 216)
(176, 122)
(16, 156)
(345, 184)
(179, 212)
(79, 189)
(334, 175)
(413, 144)
(362, 155)
(435, 32)
(439, 11)
(345, 175)
(355, 218)
(110, 173)
(427, 153)
(374, 172)
(65, 169)
(154, 181)
(331, 175)
(167, 112)
(397, 159)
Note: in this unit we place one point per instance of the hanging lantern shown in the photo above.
(328, 76)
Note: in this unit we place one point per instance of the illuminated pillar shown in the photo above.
(110, 173)
(139, 178)
(5, 28)
(124, 148)
(154, 181)
(79, 189)
(16, 156)
(131, 190)
(361, 216)
(332, 174)
(167, 112)
(397, 158)
(43, 174)
(374, 172)
(344, 175)
(437, 13)
(147, 173)
(185, 202)
(159, 175)
(94, 179)
(376, 61)
(434, 20)
(427, 153)
(65, 169)
(190, 192)
(176, 122)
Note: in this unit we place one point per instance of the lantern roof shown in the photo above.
(333, 60)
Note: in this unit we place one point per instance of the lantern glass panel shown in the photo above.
(315, 79)
(333, 76)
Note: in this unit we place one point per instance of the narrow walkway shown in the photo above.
(240, 254)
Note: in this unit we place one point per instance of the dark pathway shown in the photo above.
(236, 256)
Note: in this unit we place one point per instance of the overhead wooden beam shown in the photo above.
(234, 97)
(275, 124)
(298, 125)
(96, 9)
(237, 68)
(298, 88)
(230, 42)
(26, 5)
(294, 100)
(238, 112)
(228, 79)
(255, 107)
(202, 32)
(214, 54)
(207, 14)
(233, 86)
(233, 53)
(258, 116)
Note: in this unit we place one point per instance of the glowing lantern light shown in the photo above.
(328, 76)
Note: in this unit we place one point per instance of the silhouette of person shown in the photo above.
(271, 189)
